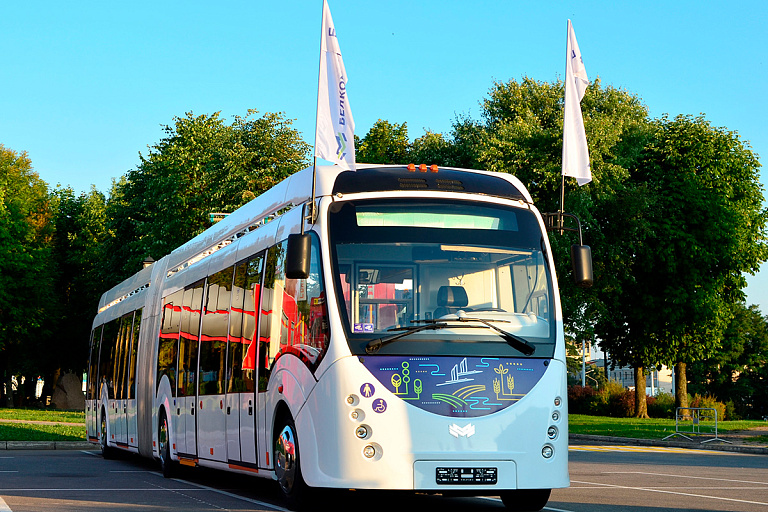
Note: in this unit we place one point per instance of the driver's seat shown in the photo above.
(450, 299)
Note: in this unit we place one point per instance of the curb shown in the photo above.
(47, 445)
(714, 446)
(572, 439)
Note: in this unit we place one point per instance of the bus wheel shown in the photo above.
(164, 447)
(106, 451)
(288, 465)
(525, 500)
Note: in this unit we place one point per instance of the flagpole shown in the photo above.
(560, 220)
(312, 215)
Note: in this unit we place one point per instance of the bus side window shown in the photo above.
(213, 338)
(107, 358)
(169, 339)
(93, 367)
(243, 326)
(134, 336)
(294, 311)
(189, 335)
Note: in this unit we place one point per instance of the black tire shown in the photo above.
(288, 465)
(526, 500)
(167, 466)
(106, 451)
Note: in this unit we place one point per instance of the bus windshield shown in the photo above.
(403, 264)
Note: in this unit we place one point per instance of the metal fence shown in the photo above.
(696, 421)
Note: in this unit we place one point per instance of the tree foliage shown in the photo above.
(673, 215)
(738, 371)
(201, 166)
(79, 234)
(26, 275)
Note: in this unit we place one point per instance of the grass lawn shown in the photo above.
(34, 432)
(654, 428)
(43, 415)
(28, 432)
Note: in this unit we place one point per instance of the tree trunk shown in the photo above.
(641, 406)
(681, 389)
(8, 390)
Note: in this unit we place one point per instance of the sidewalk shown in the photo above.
(45, 445)
(736, 443)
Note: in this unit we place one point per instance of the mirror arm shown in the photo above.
(555, 222)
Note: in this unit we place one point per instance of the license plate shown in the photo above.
(466, 476)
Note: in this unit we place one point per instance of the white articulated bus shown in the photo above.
(407, 336)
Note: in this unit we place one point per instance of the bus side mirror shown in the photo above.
(581, 259)
(298, 255)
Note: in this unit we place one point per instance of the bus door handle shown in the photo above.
(192, 411)
(229, 410)
(250, 408)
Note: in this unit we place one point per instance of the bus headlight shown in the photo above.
(547, 451)
(369, 451)
(552, 432)
(361, 432)
(556, 416)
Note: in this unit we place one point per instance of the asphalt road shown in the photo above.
(603, 478)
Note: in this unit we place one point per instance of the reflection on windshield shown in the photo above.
(483, 261)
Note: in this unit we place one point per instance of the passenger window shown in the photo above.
(246, 291)
(169, 339)
(294, 311)
(213, 339)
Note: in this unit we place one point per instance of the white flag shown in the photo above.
(575, 151)
(335, 129)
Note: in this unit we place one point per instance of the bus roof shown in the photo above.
(296, 190)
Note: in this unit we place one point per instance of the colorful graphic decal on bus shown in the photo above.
(457, 386)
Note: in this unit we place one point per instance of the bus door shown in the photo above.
(189, 331)
(131, 412)
(241, 357)
(121, 365)
(293, 320)
(93, 380)
(212, 417)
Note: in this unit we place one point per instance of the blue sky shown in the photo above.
(86, 86)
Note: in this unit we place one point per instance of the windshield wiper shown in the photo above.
(512, 340)
(375, 345)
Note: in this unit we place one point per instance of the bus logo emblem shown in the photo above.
(457, 431)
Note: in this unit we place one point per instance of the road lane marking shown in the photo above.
(545, 508)
(641, 449)
(230, 494)
(4, 506)
(661, 491)
(684, 476)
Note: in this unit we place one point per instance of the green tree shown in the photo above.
(26, 270)
(738, 371)
(202, 165)
(522, 135)
(385, 143)
(79, 233)
(708, 228)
